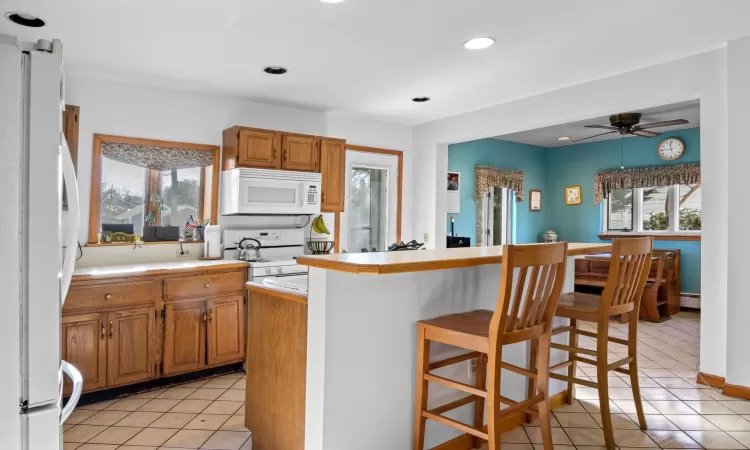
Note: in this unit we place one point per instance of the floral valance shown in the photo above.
(489, 177)
(607, 181)
(157, 158)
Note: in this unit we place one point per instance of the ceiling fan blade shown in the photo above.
(596, 135)
(667, 123)
(645, 133)
(604, 127)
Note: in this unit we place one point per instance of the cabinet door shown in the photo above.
(131, 349)
(226, 330)
(332, 169)
(84, 345)
(258, 149)
(299, 153)
(184, 337)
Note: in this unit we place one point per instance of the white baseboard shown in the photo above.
(690, 301)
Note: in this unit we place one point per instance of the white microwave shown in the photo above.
(263, 191)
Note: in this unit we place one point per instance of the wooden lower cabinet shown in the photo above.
(184, 337)
(226, 337)
(84, 344)
(131, 346)
(117, 331)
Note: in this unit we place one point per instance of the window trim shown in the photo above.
(96, 177)
(672, 233)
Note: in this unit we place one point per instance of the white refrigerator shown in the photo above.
(34, 278)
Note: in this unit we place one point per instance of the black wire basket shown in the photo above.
(320, 247)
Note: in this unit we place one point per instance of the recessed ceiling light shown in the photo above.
(331, 1)
(479, 43)
(25, 19)
(563, 138)
(275, 70)
(421, 99)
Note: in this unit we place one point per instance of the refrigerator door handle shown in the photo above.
(77, 379)
(74, 219)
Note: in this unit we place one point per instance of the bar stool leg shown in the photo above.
(495, 358)
(542, 386)
(570, 395)
(633, 367)
(420, 405)
(480, 383)
(602, 382)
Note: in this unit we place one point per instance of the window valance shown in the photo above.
(488, 177)
(607, 181)
(157, 158)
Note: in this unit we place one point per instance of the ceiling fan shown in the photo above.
(627, 124)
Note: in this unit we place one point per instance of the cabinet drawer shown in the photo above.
(112, 294)
(205, 285)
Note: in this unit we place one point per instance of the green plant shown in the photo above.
(690, 219)
(656, 221)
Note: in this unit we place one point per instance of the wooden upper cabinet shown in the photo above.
(184, 337)
(332, 168)
(226, 331)
(299, 152)
(131, 346)
(258, 148)
(84, 345)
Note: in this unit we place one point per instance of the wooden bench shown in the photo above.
(661, 297)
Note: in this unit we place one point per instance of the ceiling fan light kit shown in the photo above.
(627, 124)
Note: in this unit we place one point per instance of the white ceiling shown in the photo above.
(547, 137)
(370, 57)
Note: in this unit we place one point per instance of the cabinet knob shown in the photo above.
(208, 285)
(107, 296)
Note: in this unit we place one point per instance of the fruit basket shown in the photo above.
(320, 247)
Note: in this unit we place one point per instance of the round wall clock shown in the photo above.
(671, 148)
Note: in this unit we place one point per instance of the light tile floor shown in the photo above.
(209, 414)
(205, 414)
(679, 412)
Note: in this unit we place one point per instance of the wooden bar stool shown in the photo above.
(628, 271)
(523, 312)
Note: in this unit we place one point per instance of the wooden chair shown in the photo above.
(655, 301)
(628, 271)
(523, 312)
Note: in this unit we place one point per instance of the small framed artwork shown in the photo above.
(535, 200)
(454, 181)
(573, 195)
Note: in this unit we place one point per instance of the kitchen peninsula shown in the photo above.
(361, 314)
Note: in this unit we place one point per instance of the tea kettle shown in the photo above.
(249, 252)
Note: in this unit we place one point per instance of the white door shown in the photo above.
(495, 217)
(369, 220)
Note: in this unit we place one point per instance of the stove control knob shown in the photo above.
(268, 270)
(279, 270)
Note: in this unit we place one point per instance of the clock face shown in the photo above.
(671, 149)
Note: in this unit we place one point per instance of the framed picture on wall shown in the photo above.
(454, 181)
(573, 195)
(535, 200)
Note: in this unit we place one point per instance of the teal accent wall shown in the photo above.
(551, 170)
(464, 157)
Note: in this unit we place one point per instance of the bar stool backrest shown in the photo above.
(628, 272)
(528, 305)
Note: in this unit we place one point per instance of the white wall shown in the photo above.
(738, 306)
(701, 76)
(116, 108)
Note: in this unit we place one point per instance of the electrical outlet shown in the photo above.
(427, 236)
(183, 253)
(472, 367)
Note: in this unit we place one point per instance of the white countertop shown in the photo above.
(150, 268)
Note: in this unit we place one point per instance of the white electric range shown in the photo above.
(279, 251)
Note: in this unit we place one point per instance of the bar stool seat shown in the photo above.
(576, 301)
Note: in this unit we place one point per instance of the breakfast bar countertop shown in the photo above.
(421, 260)
(158, 268)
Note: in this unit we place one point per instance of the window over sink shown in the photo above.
(138, 182)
